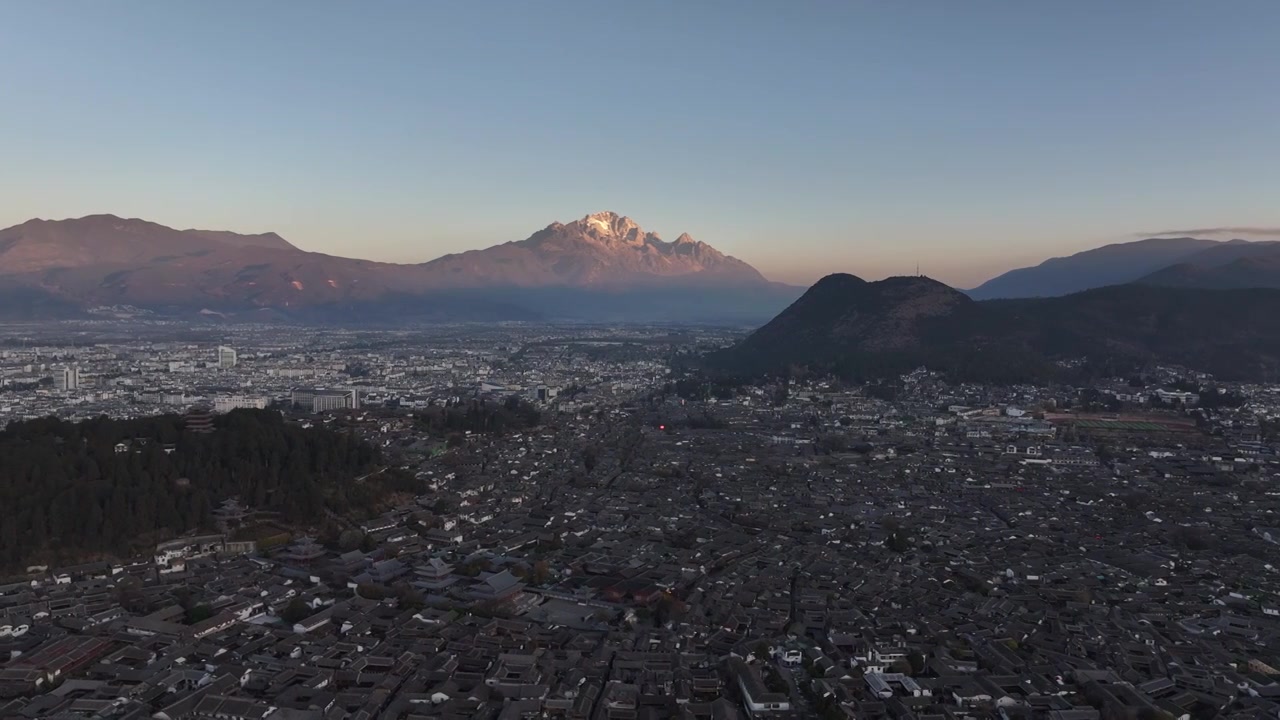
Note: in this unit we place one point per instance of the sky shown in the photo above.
(802, 136)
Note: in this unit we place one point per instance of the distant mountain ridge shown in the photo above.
(1175, 262)
(1108, 265)
(600, 249)
(581, 268)
(601, 267)
(1236, 264)
(876, 329)
(109, 240)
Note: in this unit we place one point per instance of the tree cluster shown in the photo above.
(479, 416)
(99, 488)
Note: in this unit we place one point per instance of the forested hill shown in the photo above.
(68, 495)
(867, 330)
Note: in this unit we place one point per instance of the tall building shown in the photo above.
(226, 357)
(67, 378)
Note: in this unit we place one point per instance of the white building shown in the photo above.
(227, 357)
(67, 378)
(320, 400)
(1175, 396)
(236, 402)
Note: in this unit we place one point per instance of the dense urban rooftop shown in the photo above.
(640, 543)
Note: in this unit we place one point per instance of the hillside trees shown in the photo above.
(69, 494)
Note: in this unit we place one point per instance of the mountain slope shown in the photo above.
(603, 266)
(1235, 264)
(263, 240)
(603, 249)
(861, 329)
(842, 312)
(1107, 265)
(104, 260)
(109, 240)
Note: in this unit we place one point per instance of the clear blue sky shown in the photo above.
(802, 136)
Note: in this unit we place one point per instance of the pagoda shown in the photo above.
(230, 515)
(198, 419)
(304, 551)
(434, 577)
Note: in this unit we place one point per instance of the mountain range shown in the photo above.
(1175, 261)
(603, 266)
(864, 330)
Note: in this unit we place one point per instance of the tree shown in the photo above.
(916, 660)
(761, 649)
(350, 540)
(667, 609)
(781, 393)
(898, 541)
(1269, 428)
(541, 573)
(68, 495)
(1105, 455)
(197, 614)
(773, 680)
(832, 443)
(409, 598)
(184, 596)
(1135, 501)
(474, 567)
(296, 611)
(369, 591)
(1192, 538)
(590, 456)
(130, 596)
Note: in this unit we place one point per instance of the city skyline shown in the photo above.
(802, 140)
